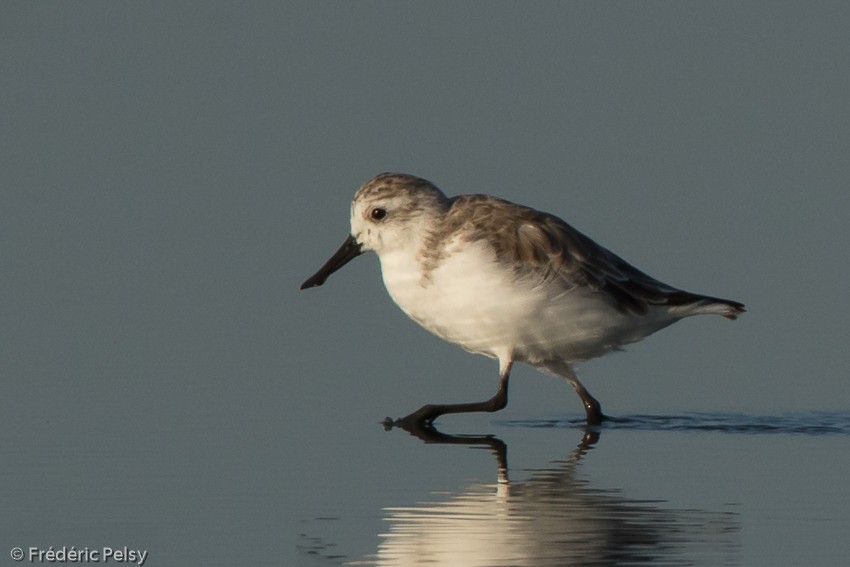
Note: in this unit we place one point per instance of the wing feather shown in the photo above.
(546, 248)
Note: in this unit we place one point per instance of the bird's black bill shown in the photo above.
(349, 250)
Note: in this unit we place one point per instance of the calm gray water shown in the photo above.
(685, 490)
(170, 172)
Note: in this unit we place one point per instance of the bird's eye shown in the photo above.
(378, 213)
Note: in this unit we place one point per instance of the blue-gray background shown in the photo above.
(171, 171)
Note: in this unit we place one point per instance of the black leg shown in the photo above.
(592, 408)
(428, 413)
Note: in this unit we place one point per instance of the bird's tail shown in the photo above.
(705, 305)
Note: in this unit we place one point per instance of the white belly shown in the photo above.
(473, 301)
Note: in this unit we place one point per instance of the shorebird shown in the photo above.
(506, 281)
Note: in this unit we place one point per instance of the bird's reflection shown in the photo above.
(430, 434)
(552, 518)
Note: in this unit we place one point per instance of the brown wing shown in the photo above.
(545, 247)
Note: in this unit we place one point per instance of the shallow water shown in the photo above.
(172, 175)
(694, 489)
(808, 423)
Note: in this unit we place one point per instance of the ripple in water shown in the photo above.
(802, 423)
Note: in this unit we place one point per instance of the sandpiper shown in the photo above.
(506, 281)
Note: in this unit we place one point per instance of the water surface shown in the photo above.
(691, 489)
